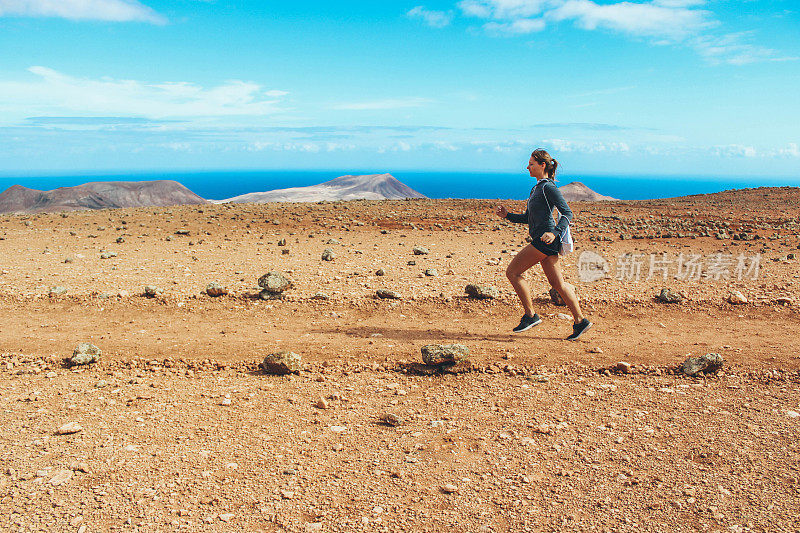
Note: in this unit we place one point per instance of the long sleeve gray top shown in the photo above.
(539, 213)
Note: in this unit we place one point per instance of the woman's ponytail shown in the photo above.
(550, 164)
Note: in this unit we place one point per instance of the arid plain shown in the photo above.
(181, 431)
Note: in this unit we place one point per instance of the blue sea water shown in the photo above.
(218, 185)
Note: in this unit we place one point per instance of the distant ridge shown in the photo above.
(578, 192)
(367, 187)
(97, 195)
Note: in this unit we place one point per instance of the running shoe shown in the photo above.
(579, 328)
(528, 322)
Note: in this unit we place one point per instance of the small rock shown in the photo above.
(69, 428)
(667, 296)
(380, 272)
(61, 477)
(214, 289)
(622, 367)
(85, 353)
(79, 466)
(391, 419)
(431, 272)
(449, 488)
(108, 255)
(226, 517)
(57, 291)
(444, 354)
(736, 298)
(275, 282)
(420, 250)
(387, 294)
(595, 349)
(328, 255)
(320, 296)
(481, 292)
(321, 403)
(151, 291)
(282, 363)
(706, 364)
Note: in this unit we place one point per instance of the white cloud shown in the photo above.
(53, 93)
(641, 20)
(107, 10)
(434, 19)
(562, 145)
(661, 22)
(734, 49)
(504, 9)
(791, 150)
(734, 150)
(396, 103)
(517, 27)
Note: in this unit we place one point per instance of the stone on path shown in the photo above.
(85, 353)
(736, 298)
(151, 291)
(275, 282)
(387, 294)
(444, 354)
(214, 289)
(69, 428)
(61, 477)
(328, 255)
(282, 363)
(420, 250)
(706, 364)
(481, 292)
(669, 296)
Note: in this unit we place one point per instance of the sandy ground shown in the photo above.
(181, 431)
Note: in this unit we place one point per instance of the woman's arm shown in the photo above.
(556, 199)
(518, 218)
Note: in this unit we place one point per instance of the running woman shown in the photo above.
(545, 243)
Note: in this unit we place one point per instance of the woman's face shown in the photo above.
(535, 168)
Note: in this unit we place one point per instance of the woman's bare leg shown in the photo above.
(556, 279)
(525, 259)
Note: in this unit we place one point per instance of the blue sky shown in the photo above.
(702, 87)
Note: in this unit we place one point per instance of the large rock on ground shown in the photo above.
(706, 364)
(85, 353)
(215, 289)
(444, 354)
(669, 296)
(282, 363)
(275, 282)
(737, 298)
(481, 292)
(387, 294)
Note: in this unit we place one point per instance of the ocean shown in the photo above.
(218, 185)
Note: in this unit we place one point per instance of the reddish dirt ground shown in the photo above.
(181, 432)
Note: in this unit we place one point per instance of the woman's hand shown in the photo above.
(501, 211)
(548, 237)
